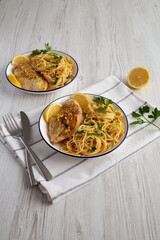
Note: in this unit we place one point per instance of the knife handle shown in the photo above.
(47, 175)
(30, 169)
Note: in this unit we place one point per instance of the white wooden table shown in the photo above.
(106, 38)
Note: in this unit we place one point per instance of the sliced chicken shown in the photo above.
(29, 78)
(66, 122)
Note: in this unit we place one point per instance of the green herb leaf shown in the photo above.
(56, 56)
(96, 134)
(56, 79)
(99, 126)
(80, 132)
(93, 149)
(101, 109)
(89, 124)
(37, 51)
(155, 114)
(134, 114)
(98, 100)
(90, 138)
(48, 48)
(139, 121)
(144, 110)
(109, 101)
(71, 76)
(108, 132)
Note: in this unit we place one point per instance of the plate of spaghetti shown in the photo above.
(83, 125)
(41, 71)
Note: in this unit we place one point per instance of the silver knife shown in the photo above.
(45, 172)
(26, 135)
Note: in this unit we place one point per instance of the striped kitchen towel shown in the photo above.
(70, 173)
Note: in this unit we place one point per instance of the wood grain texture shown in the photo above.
(106, 38)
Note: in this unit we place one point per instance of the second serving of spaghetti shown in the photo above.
(43, 70)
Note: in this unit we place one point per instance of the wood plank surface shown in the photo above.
(106, 38)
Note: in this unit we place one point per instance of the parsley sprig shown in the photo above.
(142, 119)
(37, 51)
(104, 101)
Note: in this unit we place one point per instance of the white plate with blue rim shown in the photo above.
(43, 129)
(9, 70)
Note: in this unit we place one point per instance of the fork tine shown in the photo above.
(6, 124)
(14, 121)
(10, 122)
(10, 126)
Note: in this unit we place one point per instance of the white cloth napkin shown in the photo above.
(70, 173)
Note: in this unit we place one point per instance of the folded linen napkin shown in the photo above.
(71, 173)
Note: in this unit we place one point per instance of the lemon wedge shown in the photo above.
(138, 77)
(19, 59)
(51, 110)
(14, 80)
(82, 99)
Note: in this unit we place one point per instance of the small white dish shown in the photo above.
(9, 69)
(43, 129)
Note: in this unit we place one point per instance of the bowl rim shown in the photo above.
(47, 91)
(72, 155)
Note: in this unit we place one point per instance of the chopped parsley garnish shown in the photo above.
(146, 109)
(104, 101)
(111, 144)
(90, 138)
(99, 126)
(89, 124)
(102, 109)
(108, 132)
(80, 132)
(56, 79)
(71, 76)
(108, 101)
(56, 56)
(98, 100)
(96, 134)
(93, 149)
(37, 51)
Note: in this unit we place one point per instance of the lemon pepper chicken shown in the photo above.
(66, 122)
(29, 78)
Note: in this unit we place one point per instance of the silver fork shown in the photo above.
(16, 132)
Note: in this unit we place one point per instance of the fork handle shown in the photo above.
(29, 168)
(41, 166)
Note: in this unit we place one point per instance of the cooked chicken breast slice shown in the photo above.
(29, 78)
(66, 122)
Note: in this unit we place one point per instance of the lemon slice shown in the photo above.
(82, 99)
(51, 110)
(19, 59)
(138, 77)
(14, 80)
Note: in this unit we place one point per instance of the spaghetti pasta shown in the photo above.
(56, 69)
(103, 128)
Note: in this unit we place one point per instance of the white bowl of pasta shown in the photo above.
(41, 71)
(103, 127)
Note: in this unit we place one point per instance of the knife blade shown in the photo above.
(26, 128)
